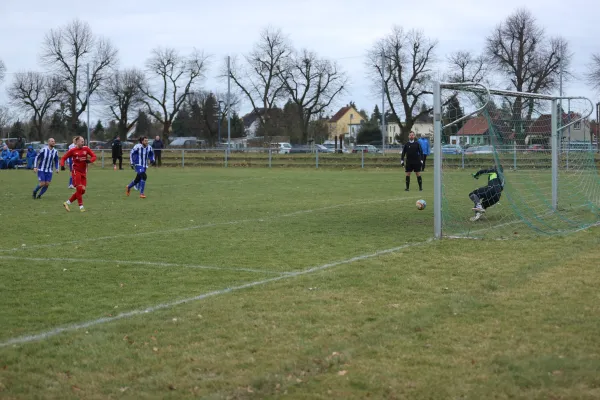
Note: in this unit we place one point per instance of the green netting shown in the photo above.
(517, 137)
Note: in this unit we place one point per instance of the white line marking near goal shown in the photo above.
(148, 263)
(73, 327)
(207, 225)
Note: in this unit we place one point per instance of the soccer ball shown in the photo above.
(421, 204)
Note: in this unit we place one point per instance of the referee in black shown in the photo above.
(414, 160)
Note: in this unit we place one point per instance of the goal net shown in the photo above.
(512, 164)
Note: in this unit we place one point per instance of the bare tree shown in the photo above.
(2, 70)
(210, 110)
(312, 84)
(403, 60)
(520, 51)
(123, 95)
(466, 67)
(36, 94)
(593, 75)
(5, 119)
(172, 78)
(259, 80)
(68, 50)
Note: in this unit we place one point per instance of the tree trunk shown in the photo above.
(166, 126)
(38, 128)
(74, 117)
(405, 131)
(517, 122)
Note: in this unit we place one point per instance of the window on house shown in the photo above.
(577, 125)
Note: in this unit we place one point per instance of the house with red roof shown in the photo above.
(541, 128)
(475, 132)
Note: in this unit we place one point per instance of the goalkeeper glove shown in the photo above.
(474, 175)
(402, 162)
(62, 167)
(88, 161)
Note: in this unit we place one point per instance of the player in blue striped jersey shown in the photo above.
(43, 163)
(139, 156)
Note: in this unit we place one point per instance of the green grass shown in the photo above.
(440, 319)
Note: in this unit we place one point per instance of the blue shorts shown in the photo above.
(44, 176)
(140, 170)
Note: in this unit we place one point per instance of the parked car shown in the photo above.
(282, 148)
(578, 146)
(330, 144)
(300, 149)
(36, 145)
(185, 143)
(98, 145)
(536, 147)
(480, 150)
(10, 142)
(365, 148)
(451, 149)
(322, 149)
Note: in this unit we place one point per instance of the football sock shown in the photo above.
(474, 198)
(407, 182)
(71, 181)
(142, 186)
(36, 189)
(79, 194)
(43, 190)
(420, 180)
(69, 201)
(72, 198)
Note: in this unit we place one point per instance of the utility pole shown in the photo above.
(88, 104)
(383, 132)
(228, 104)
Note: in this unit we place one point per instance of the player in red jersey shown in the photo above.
(79, 154)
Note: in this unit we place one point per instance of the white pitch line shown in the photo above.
(208, 225)
(73, 327)
(148, 263)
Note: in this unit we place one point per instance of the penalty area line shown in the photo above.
(147, 263)
(69, 328)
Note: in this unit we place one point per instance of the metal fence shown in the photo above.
(520, 156)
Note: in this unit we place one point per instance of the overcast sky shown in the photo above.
(339, 30)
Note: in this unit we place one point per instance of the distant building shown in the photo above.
(346, 121)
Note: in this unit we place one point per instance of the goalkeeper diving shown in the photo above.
(487, 196)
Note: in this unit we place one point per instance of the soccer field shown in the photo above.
(254, 283)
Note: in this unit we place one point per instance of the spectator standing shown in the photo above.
(425, 147)
(157, 146)
(117, 152)
(31, 154)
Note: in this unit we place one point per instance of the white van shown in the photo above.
(283, 148)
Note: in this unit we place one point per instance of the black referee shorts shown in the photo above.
(412, 167)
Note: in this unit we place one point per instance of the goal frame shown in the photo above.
(474, 86)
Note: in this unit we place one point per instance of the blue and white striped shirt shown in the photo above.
(45, 158)
(139, 155)
(70, 160)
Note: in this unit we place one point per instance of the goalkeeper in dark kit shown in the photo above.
(487, 196)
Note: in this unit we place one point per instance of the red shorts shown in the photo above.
(79, 179)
